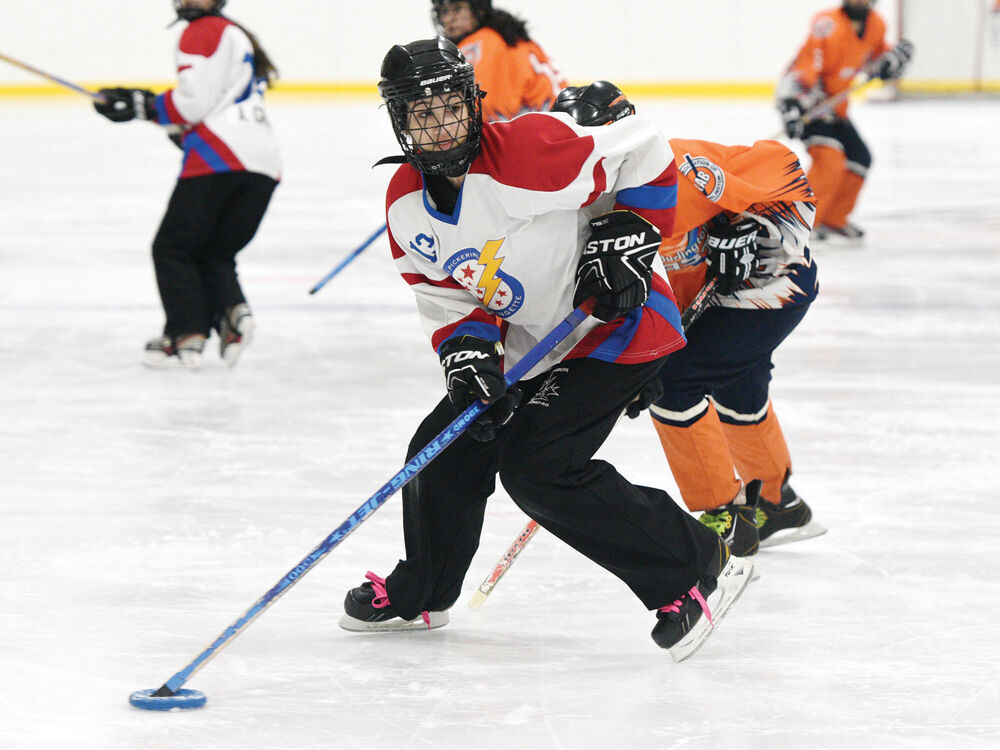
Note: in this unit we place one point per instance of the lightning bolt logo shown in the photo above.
(488, 280)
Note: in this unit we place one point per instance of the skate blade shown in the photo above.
(437, 620)
(798, 534)
(733, 583)
(156, 361)
(231, 354)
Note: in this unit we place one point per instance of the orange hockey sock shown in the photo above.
(829, 166)
(700, 461)
(760, 452)
(844, 199)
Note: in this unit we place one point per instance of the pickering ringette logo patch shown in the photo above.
(479, 272)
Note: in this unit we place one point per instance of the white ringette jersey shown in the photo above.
(220, 103)
(503, 265)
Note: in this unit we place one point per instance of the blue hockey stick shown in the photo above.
(169, 696)
(343, 264)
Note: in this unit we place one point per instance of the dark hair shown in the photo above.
(262, 66)
(508, 26)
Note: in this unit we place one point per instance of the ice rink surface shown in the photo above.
(142, 512)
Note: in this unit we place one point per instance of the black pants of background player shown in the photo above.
(544, 458)
(208, 220)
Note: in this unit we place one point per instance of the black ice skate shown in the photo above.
(235, 332)
(788, 521)
(367, 609)
(736, 522)
(683, 626)
(180, 353)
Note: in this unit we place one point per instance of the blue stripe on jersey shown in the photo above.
(666, 309)
(616, 344)
(248, 58)
(472, 328)
(648, 196)
(194, 142)
(161, 109)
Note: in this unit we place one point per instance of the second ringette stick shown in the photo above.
(55, 79)
(346, 261)
(691, 314)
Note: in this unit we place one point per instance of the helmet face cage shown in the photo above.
(436, 111)
(600, 103)
(190, 14)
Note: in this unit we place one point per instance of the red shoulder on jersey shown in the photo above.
(534, 152)
(202, 37)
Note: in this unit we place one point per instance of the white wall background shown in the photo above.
(344, 40)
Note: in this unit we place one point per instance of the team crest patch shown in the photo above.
(708, 176)
(479, 272)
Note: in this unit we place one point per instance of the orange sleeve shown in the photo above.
(808, 63)
(731, 179)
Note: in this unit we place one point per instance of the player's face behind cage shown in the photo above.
(438, 123)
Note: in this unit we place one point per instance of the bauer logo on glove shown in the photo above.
(732, 253)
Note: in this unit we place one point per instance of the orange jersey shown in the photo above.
(764, 181)
(516, 79)
(834, 54)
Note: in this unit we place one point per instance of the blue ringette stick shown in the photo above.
(343, 264)
(161, 698)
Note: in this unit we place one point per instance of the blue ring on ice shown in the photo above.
(182, 699)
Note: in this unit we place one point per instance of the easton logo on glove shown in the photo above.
(616, 264)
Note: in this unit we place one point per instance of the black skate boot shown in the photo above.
(683, 626)
(367, 609)
(788, 521)
(736, 522)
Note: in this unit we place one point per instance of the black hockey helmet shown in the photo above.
(599, 103)
(434, 104)
(185, 13)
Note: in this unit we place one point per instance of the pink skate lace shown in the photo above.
(696, 595)
(381, 599)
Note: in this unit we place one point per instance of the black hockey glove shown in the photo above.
(650, 394)
(472, 372)
(617, 264)
(731, 253)
(122, 105)
(791, 117)
(891, 64)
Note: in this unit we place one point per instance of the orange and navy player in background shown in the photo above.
(513, 71)
(744, 214)
(842, 43)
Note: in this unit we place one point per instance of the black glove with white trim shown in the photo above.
(617, 264)
(791, 111)
(891, 64)
(732, 253)
(472, 373)
(122, 105)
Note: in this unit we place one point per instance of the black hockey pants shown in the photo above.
(545, 460)
(208, 220)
